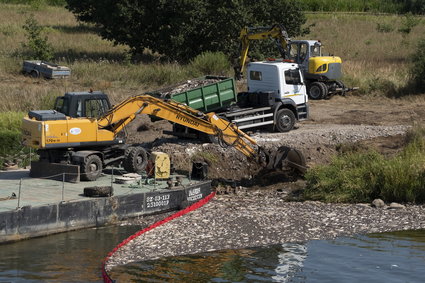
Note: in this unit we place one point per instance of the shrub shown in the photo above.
(384, 27)
(37, 46)
(381, 86)
(363, 176)
(408, 23)
(418, 66)
(11, 148)
(210, 63)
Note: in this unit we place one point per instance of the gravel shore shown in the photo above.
(258, 219)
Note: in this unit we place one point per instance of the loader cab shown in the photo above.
(302, 50)
(308, 54)
(83, 104)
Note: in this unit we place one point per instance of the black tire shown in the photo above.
(125, 160)
(340, 84)
(34, 74)
(136, 160)
(285, 120)
(318, 90)
(91, 168)
(96, 191)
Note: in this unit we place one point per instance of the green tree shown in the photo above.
(37, 45)
(182, 29)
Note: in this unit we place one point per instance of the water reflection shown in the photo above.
(389, 257)
(67, 257)
(76, 257)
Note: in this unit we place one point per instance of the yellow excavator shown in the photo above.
(83, 134)
(322, 74)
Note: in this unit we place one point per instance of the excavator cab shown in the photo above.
(308, 54)
(91, 104)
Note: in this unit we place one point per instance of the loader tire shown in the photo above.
(318, 90)
(340, 84)
(136, 160)
(285, 120)
(91, 168)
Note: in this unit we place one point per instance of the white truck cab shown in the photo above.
(283, 79)
(276, 96)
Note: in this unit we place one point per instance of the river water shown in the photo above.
(76, 257)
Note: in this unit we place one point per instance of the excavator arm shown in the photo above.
(121, 115)
(277, 32)
(228, 133)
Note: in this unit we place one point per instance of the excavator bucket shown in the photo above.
(287, 159)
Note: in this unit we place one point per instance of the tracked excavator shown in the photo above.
(84, 134)
(321, 73)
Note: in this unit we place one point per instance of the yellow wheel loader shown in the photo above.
(322, 74)
(83, 134)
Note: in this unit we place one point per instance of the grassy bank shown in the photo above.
(363, 176)
(376, 61)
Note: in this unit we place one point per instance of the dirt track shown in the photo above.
(373, 122)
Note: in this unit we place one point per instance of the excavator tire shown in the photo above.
(91, 168)
(318, 90)
(125, 161)
(136, 160)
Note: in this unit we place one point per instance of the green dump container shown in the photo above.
(207, 94)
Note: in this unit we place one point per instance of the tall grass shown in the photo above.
(363, 176)
(383, 6)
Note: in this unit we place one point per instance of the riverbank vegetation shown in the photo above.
(364, 175)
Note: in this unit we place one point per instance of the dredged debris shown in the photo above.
(232, 222)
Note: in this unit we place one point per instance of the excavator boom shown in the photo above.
(175, 112)
(277, 32)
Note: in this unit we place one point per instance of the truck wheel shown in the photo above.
(318, 90)
(136, 160)
(285, 120)
(91, 168)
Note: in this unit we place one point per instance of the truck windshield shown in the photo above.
(293, 77)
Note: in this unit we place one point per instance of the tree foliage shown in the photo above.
(182, 29)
